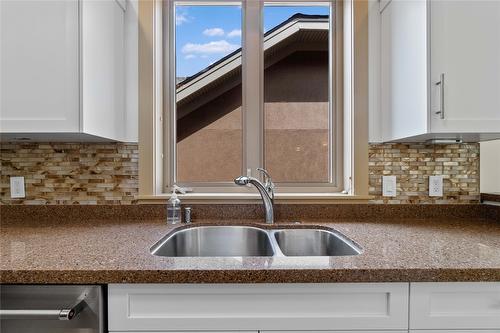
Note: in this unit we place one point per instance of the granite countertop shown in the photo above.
(491, 197)
(99, 251)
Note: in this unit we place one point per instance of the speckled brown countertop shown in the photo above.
(110, 251)
(491, 197)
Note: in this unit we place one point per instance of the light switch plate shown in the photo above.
(17, 187)
(389, 186)
(435, 186)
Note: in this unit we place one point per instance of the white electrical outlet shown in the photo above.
(17, 187)
(389, 186)
(435, 186)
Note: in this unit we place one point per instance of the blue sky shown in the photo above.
(204, 34)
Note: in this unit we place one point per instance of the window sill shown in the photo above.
(246, 198)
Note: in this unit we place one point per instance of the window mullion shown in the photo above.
(252, 70)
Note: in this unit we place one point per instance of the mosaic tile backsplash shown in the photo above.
(412, 164)
(77, 173)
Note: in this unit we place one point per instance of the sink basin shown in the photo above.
(246, 241)
(314, 242)
(215, 241)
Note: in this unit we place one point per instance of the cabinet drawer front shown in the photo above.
(258, 307)
(387, 331)
(210, 332)
(467, 305)
(453, 331)
(383, 331)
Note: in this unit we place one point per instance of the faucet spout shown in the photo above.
(266, 197)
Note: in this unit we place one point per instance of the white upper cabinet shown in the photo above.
(403, 88)
(439, 70)
(62, 70)
(465, 49)
(103, 76)
(39, 87)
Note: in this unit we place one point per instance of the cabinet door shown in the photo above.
(455, 305)
(386, 331)
(39, 90)
(465, 48)
(103, 68)
(336, 306)
(403, 69)
(452, 331)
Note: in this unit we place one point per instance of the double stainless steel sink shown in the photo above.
(248, 241)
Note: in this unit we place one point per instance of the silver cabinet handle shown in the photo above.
(441, 96)
(57, 314)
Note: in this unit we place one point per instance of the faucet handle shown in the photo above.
(264, 171)
(268, 182)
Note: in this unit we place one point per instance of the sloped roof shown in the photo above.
(230, 65)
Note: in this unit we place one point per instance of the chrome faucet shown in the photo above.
(266, 191)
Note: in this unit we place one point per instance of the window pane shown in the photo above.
(296, 93)
(208, 93)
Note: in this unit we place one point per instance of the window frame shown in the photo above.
(253, 137)
(335, 112)
(169, 110)
(155, 128)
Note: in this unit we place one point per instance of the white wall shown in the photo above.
(490, 166)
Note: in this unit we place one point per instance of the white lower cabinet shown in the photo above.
(453, 331)
(251, 307)
(386, 331)
(455, 306)
(379, 331)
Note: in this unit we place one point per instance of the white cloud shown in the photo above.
(221, 46)
(181, 18)
(213, 32)
(234, 33)
(189, 56)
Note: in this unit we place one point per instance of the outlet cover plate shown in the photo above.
(435, 186)
(389, 186)
(17, 187)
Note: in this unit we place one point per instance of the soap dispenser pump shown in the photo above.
(174, 206)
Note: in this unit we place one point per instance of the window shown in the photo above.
(291, 132)
(297, 101)
(245, 84)
(208, 95)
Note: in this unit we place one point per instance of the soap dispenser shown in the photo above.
(174, 207)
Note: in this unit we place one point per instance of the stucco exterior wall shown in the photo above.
(296, 126)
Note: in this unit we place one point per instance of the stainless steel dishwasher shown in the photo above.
(51, 308)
